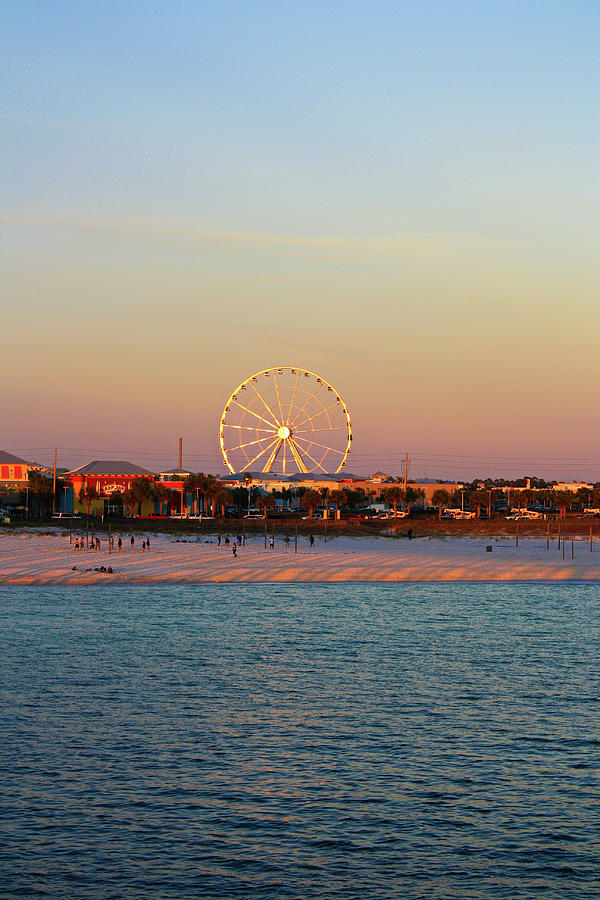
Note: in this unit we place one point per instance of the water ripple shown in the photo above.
(414, 741)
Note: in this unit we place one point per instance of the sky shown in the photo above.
(400, 196)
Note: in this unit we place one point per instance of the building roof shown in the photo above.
(176, 471)
(9, 459)
(109, 467)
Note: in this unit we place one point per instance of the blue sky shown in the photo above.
(225, 187)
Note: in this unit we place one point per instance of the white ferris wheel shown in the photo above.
(285, 420)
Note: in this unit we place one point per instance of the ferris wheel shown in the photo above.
(285, 420)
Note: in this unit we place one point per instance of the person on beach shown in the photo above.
(312, 540)
(218, 540)
(143, 546)
(77, 543)
(234, 551)
(97, 543)
(120, 544)
(287, 541)
(239, 540)
(132, 542)
(227, 542)
(272, 542)
(147, 543)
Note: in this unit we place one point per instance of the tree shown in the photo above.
(40, 490)
(223, 498)
(161, 495)
(356, 498)
(562, 499)
(411, 496)
(240, 498)
(310, 499)
(441, 498)
(141, 490)
(340, 498)
(128, 498)
(394, 496)
(87, 493)
(265, 502)
(210, 489)
(478, 499)
(247, 483)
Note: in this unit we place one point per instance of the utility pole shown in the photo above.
(405, 472)
(180, 454)
(54, 485)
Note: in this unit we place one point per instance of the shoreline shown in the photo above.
(28, 559)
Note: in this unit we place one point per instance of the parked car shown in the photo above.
(254, 514)
(458, 514)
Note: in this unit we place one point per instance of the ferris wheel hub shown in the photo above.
(283, 433)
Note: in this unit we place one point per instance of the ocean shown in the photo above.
(299, 741)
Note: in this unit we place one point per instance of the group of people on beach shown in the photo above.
(94, 544)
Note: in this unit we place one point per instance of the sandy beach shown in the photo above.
(47, 558)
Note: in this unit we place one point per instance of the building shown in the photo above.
(14, 478)
(109, 479)
(178, 500)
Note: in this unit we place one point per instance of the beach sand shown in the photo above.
(28, 558)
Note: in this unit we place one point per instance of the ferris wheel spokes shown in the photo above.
(252, 413)
(281, 420)
(266, 404)
(316, 415)
(262, 452)
(312, 397)
(316, 444)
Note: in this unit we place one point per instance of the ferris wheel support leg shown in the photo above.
(299, 461)
(272, 458)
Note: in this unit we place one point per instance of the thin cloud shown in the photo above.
(79, 130)
(358, 249)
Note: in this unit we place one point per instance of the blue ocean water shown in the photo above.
(300, 741)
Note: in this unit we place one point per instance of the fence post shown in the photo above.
(517, 536)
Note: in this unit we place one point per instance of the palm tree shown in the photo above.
(441, 498)
(265, 502)
(223, 498)
(340, 498)
(87, 493)
(40, 490)
(412, 495)
(210, 489)
(478, 498)
(128, 498)
(563, 499)
(141, 490)
(393, 495)
(161, 495)
(310, 499)
(247, 483)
